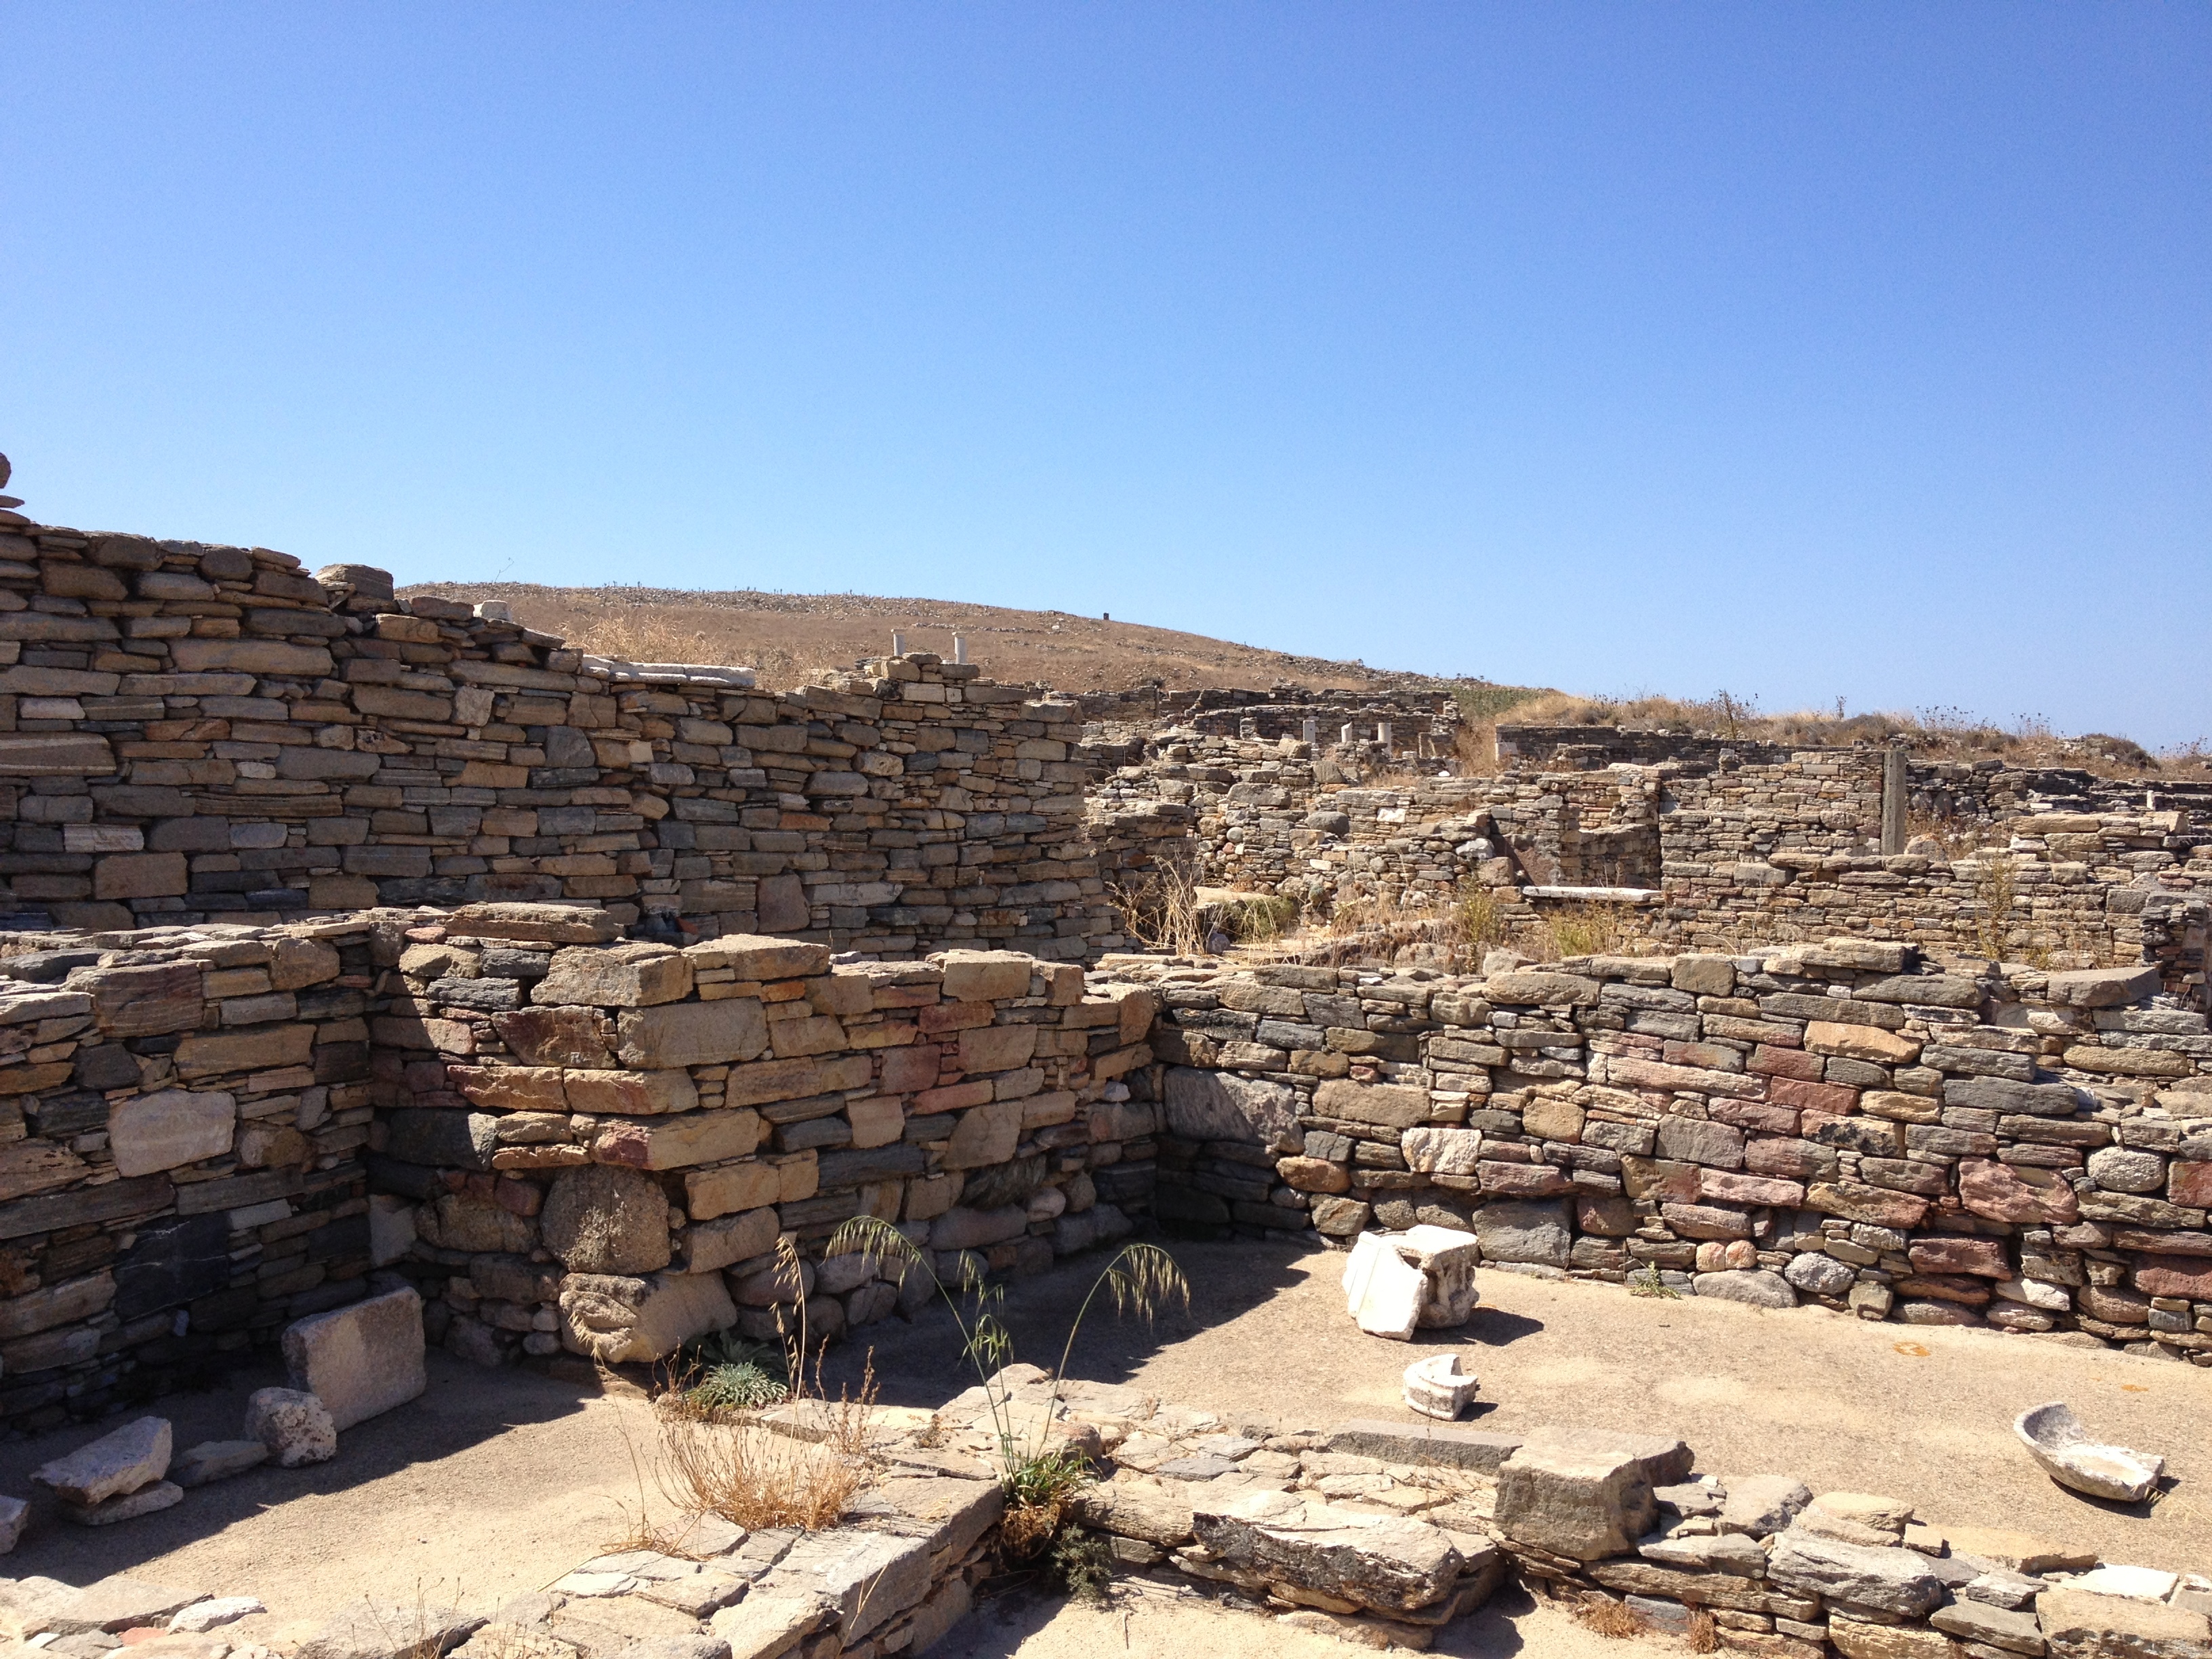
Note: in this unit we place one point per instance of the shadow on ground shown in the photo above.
(465, 1408)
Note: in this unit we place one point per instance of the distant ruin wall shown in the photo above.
(192, 731)
(1835, 1124)
(1732, 856)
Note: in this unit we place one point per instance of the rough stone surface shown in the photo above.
(616, 1319)
(1582, 1503)
(360, 1360)
(2081, 1625)
(604, 1219)
(1387, 1563)
(1881, 1581)
(216, 1460)
(295, 1426)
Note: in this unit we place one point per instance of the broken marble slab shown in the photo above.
(1383, 1292)
(2054, 1436)
(137, 1454)
(125, 1505)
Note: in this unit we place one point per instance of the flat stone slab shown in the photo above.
(216, 1460)
(125, 1505)
(212, 1615)
(1391, 1563)
(2082, 1625)
(1449, 1445)
(137, 1454)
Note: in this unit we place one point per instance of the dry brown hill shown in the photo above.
(787, 635)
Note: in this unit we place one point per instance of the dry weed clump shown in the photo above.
(716, 1453)
(1607, 1617)
(1704, 1636)
(1162, 912)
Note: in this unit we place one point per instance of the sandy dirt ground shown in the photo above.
(1144, 1621)
(496, 1483)
(1921, 1414)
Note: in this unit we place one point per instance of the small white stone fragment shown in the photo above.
(1436, 1387)
(202, 1616)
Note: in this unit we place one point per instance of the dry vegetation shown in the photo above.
(1931, 733)
(788, 636)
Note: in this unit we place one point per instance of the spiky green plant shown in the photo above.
(1650, 1283)
(1140, 1279)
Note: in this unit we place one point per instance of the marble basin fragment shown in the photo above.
(2055, 1438)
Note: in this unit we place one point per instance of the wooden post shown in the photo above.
(1892, 801)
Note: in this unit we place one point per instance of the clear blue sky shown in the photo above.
(1808, 350)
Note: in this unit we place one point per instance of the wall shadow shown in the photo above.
(465, 1406)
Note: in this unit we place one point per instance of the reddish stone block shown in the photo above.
(1833, 1098)
(1785, 1062)
(1942, 1255)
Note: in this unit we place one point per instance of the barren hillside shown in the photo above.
(787, 635)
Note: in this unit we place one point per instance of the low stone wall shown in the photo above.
(1841, 1123)
(597, 1146)
(181, 1121)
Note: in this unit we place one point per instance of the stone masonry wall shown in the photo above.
(596, 1145)
(190, 731)
(1838, 1123)
(182, 1116)
(1732, 856)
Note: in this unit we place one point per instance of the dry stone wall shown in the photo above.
(598, 1145)
(182, 1117)
(1838, 1123)
(1716, 857)
(195, 733)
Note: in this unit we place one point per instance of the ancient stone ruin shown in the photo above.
(383, 956)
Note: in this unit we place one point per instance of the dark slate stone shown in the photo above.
(115, 1201)
(2013, 1098)
(1012, 1182)
(405, 1180)
(453, 1141)
(106, 1066)
(74, 1113)
(873, 1164)
(491, 996)
(172, 1263)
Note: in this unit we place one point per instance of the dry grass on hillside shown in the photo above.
(1933, 733)
(788, 636)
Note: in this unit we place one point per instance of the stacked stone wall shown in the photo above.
(1837, 1123)
(181, 1123)
(194, 733)
(604, 1148)
(1726, 856)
